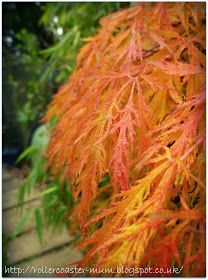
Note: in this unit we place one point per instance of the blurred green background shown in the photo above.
(40, 42)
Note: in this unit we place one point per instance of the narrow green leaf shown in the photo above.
(33, 179)
(59, 45)
(29, 151)
(53, 122)
(39, 224)
(49, 190)
(21, 194)
(20, 225)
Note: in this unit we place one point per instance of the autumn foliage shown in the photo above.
(133, 111)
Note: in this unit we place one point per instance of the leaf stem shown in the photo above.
(192, 148)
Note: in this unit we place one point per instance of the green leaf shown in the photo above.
(28, 152)
(58, 216)
(46, 75)
(39, 224)
(49, 190)
(76, 40)
(20, 225)
(59, 45)
(53, 122)
(21, 194)
(32, 180)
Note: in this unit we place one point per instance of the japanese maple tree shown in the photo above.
(133, 111)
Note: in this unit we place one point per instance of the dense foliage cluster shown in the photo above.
(133, 111)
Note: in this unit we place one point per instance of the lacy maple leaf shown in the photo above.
(134, 109)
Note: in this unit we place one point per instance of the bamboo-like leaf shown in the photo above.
(39, 223)
(50, 190)
(21, 223)
(21, 193)
(29, 152)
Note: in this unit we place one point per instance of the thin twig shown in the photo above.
(65, 164)
(192, 148)
(152, 50)
(169, 113)
(193, 188)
